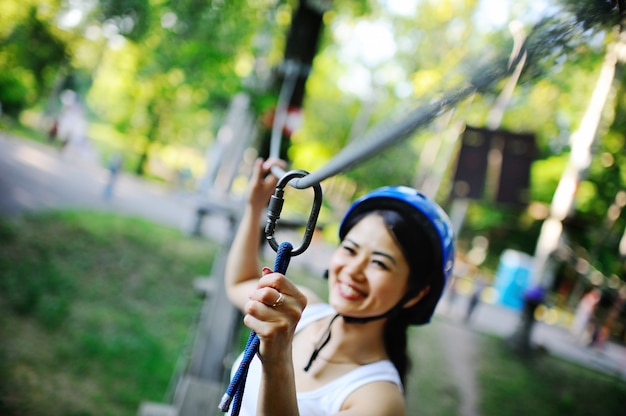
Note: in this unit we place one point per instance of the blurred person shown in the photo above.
(452, 290)
(604, 318)
(114, 167)
(583, 314)
(72, 129)
(53, 131)
(474, 300)
(452, 294)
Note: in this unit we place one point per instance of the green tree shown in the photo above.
(31, 56)
(183, 65)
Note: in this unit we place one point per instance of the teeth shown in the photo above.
(348, 290)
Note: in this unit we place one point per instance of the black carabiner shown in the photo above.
(276, 205)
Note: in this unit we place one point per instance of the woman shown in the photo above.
(347, 356)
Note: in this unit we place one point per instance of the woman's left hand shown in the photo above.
(273, 311)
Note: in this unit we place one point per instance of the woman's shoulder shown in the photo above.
(371, 386)
(382, 370)
(377, 397)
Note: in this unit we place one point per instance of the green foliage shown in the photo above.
(37, 48)
(14, 93)
(603, 14)
(31, 56)
(132, 16)
(545, 175)
(506, 227)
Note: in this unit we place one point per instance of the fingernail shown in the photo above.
(267, 270)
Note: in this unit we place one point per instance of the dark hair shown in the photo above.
(420, 254)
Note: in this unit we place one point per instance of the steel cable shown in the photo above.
(548, 34)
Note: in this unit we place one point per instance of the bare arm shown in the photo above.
(242, 264)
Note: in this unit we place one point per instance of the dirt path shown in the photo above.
(459, 343)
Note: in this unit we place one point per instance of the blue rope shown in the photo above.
(234, 393)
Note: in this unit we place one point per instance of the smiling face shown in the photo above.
(368, 273)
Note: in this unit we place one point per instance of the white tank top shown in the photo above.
(328, 399)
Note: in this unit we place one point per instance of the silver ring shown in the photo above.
(279, 301)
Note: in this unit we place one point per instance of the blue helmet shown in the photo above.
(430, 218)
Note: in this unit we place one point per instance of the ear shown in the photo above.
(416, 298)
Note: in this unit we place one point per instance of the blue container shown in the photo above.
(513, 278)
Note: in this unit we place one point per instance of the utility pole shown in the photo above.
(290, 82)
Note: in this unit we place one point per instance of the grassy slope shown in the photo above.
(544, 386)
(96, 311)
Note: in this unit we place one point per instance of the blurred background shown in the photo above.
(169, 102)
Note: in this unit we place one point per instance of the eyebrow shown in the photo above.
(379, 253)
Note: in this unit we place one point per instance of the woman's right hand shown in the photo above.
(262, 182)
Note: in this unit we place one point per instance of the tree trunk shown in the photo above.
(580, 158)
(140, 170)
(563, 200)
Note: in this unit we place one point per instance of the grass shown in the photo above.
(95, 311)
(544, 386)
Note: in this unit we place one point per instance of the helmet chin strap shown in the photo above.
(351, 320)
(357, 320)
(321, 343)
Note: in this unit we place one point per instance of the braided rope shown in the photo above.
(235, 390)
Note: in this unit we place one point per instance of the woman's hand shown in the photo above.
(273, 311)
(262, 182)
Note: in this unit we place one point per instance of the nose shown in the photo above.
(355, 267)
